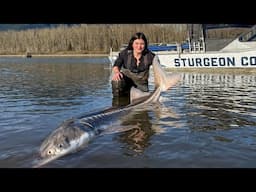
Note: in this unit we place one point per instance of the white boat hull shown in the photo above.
(245, 59)
(215, 59)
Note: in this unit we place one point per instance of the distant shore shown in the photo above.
(57, 55)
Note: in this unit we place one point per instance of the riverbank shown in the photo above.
(57, 55)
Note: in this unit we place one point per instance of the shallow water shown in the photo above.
(207, 120)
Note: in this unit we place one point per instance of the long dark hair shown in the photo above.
(138, 35)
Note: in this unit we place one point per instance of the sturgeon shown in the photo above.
(75, 133)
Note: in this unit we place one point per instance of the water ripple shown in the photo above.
(207, 120)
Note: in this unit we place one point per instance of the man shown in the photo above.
(131, 68)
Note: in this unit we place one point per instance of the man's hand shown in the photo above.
(117, 76)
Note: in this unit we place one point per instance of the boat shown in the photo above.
(197, 52)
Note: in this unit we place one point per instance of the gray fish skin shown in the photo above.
(76, 133)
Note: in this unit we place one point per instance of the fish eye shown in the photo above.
(60, 145)
(49, 152)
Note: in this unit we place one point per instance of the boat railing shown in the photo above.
(197, 46)
(249, 35)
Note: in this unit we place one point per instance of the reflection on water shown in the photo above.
(146, 122)
(220, 101)
(207, 120)
(138, 138)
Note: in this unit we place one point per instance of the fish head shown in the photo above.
(65, 139)
(54, 145)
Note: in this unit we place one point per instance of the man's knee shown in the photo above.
(119, 88)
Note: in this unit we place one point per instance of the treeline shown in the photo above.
(226, 32)
(92, 38)
(85, 38)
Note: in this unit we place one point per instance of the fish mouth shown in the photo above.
(39, 162)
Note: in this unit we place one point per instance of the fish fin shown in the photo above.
(170, 80)
(117, 129)
(161, 78)
(137, 95)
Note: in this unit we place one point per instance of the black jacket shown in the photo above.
(128, 61)
(138, 75)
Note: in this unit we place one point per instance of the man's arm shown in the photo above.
(117, 75)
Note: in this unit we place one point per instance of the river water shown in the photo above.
(208, 120)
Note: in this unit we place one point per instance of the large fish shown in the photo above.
(76, 133)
